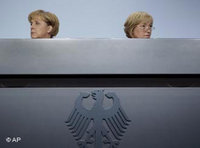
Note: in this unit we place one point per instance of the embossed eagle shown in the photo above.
(98, 126)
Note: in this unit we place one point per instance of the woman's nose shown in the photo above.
(148, 30)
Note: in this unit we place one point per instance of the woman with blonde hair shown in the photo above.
(139, 25)
(43, 24)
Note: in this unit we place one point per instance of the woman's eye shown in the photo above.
(37, 23)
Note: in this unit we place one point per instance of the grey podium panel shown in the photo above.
(160, 117)
(99, 56)
(49, 87)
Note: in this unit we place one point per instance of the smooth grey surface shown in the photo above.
(100, 56)
(160, 117)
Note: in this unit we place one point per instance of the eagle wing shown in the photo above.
(115, 117)
(80, 118)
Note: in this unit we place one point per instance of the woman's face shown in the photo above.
(39, 28)
(143, 30)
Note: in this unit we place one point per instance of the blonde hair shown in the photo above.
(134, 19)
(50, 18)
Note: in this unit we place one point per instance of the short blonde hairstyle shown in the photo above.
(48, 17)
(134, 19)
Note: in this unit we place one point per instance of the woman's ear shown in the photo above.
(50, 28)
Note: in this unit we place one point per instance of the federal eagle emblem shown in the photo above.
(98, 127)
